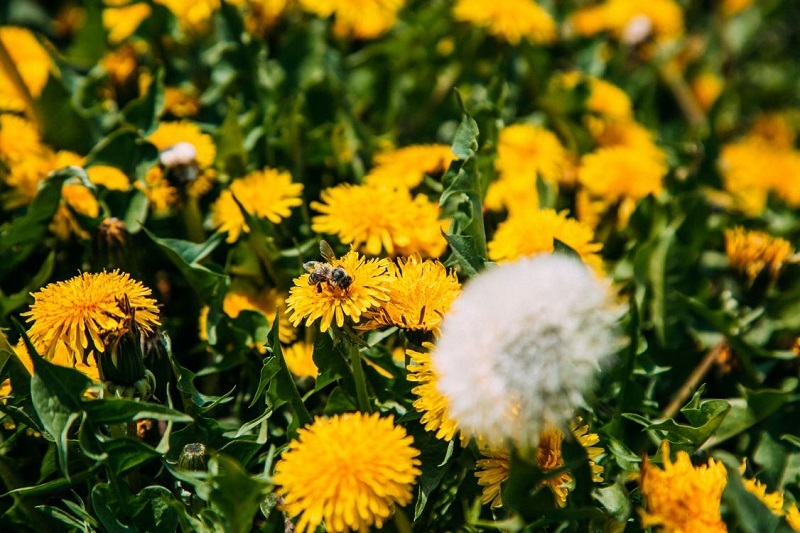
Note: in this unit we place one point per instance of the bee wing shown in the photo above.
(326, 251)
(311, 266)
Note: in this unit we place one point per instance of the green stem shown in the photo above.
(193, 220)
(9, 68)
(360, 379)
(401, 522)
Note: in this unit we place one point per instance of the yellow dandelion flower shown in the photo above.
(589, 21)
(109, 177)
(776, 129)
(77, 312)
(348, 472)
(120, 64)
(773, 501)
(621, 172)
(32, 62)
(159, 192)
(420, 294)
(430, 402)
(376, 218)
(267, 194)
(19, 140)
(359, 19)
(122, 22)
(193, 15)
(605, 98)
(24, 178)
(492, 470)
(624, 133)
(299, 358)
(406, 167)
(524, 153)
(732, 7)
(81, 199)
(260, 15)
(169, 134)
(510, 20)
(533, 232)
(369, 289)
(681, 496)
(750, 169)
(706, 88)
(793, 517)
(633, 21)
(180, 102)
(751, 252)
(267, 302)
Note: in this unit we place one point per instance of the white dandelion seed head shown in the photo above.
(521, 345)
(637, 30)
(179, 154)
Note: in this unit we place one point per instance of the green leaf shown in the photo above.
(89, 44)
(194, 402)
(57, 392)
(61, 123)
(125, 454)
(118, 410)
(269, 370)
(187, 255)
(142, 113)
(232, 492)
(748, 411)
(124, 149)
(22, 236)
(465, 143)
(466, 253)
(10, 303)
(282, 388)
(562, 248)
(615, 499)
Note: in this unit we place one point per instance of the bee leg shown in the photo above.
(319, 288)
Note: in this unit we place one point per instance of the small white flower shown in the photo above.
(521, 346)
(180, 154)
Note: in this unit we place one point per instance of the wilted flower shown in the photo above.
(267, 194)
(521, 345)
(510, 20)
(751, 252)
(683, 497)
(369, 289)
(493, 469)
(347, 472)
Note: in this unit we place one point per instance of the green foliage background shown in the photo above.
(298, 98)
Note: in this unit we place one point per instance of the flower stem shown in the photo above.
(8, 67)
(691, 382)
(193, 220)
(360, 379)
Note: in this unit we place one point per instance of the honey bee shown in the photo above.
(335, 276)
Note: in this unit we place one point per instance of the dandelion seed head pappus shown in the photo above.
(522, 345)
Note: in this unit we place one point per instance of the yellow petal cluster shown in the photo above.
(631, 21)
(193, 15)
(406, 167)
(420, 294)
(510, 20)
(300, 359)
(533, 232)
(620, 172)
(31, 61)
(267, 194)
(77, 312)
(376, 218)
(347, 472)
(430, 402)
(358, 19)
(171, 133)
(682, 497)
(369, 290)
(122, 22)
(773, 500)
(524, 153)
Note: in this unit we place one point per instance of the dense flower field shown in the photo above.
(441, 265)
